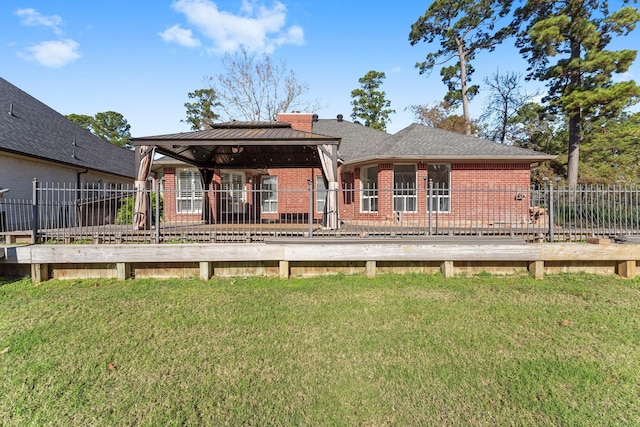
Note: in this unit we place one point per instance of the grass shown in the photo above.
(399, 350)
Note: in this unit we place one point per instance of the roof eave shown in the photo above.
(455, 159)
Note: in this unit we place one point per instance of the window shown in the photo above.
(440, 176)
(188, 191)
(404, 188)
(369, 187)
(269, 188)
(321, 193)
(232, 198)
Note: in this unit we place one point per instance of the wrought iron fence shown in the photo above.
(63, 213)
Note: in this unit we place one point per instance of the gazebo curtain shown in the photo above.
(142, 208)
(329, 158)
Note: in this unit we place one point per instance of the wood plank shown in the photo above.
(370, 269)
(447, 269)
(153, 253)
(284, 269)
(627, 269)
(536, 269)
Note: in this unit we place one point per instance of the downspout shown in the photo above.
(79, 195)
(78, 182)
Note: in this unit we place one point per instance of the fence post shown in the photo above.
(551, 212)
(34, 212)
(430, 205)
(310, 187)
(156, 189)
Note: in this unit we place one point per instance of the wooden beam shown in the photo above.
(123, 270)
(370, 269)
(447, 269)
(536, 269)
(284, 269)
(626, 269)
(39, 273)
(206, 270)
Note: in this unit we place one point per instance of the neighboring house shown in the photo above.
(382, 177)
(37, 142)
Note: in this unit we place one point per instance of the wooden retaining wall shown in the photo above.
(286, 259)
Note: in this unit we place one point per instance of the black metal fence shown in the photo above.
(63, 213)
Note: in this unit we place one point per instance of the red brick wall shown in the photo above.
(298, 121)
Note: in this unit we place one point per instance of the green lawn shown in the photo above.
(395, 350)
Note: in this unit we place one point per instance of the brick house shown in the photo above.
(381, 177)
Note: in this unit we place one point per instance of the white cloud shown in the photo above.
(53, 54)
(257, 27)
(179, 35)
(395, 70)
(34, 18)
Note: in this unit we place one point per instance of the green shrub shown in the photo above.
(125, 213)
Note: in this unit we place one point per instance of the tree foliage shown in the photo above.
(575, 33)
(200, 112)
(535, 128)
(451, 77)
(611, 151)
(441, 116)
(256, 89)
(108, 125)
(464, 28)
(369, 103)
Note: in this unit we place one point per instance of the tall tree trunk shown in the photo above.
(575, 123)
(575, 137)
(463, 86)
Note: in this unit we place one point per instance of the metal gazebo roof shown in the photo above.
(242, 145)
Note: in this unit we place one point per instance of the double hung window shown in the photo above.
(188, 191)
(369, 189)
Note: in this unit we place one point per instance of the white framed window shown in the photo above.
(405, 194)
(369, 189)
(269, 191)
(188, 191)
(321, 194)
(440, 176)
(233, 195)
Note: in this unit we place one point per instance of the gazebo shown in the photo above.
(240, 145)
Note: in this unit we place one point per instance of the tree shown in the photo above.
(369, 103)
(464, 28)
(611, 151)
(580, 81)
(200, 112)
(504, 100)
(535, 128)
(451, 77)
(81, 119)
(109, 125)
(256, 89)
(441, 116)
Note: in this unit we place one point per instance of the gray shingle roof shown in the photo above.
(357, 140)
(360, 144)
(35, 130)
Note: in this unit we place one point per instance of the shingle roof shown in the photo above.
(361, 144)
(357, 140)
(30, 128)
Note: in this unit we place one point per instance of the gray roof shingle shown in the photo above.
(416, 141)
(357, 140)
(30, 128)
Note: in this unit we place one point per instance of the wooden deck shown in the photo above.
(289, 257)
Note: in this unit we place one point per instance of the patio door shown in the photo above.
(232, 199)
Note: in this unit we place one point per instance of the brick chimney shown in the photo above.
(298, 121)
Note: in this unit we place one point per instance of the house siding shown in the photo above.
(19, 172)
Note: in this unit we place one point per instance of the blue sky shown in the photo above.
(141, 57)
